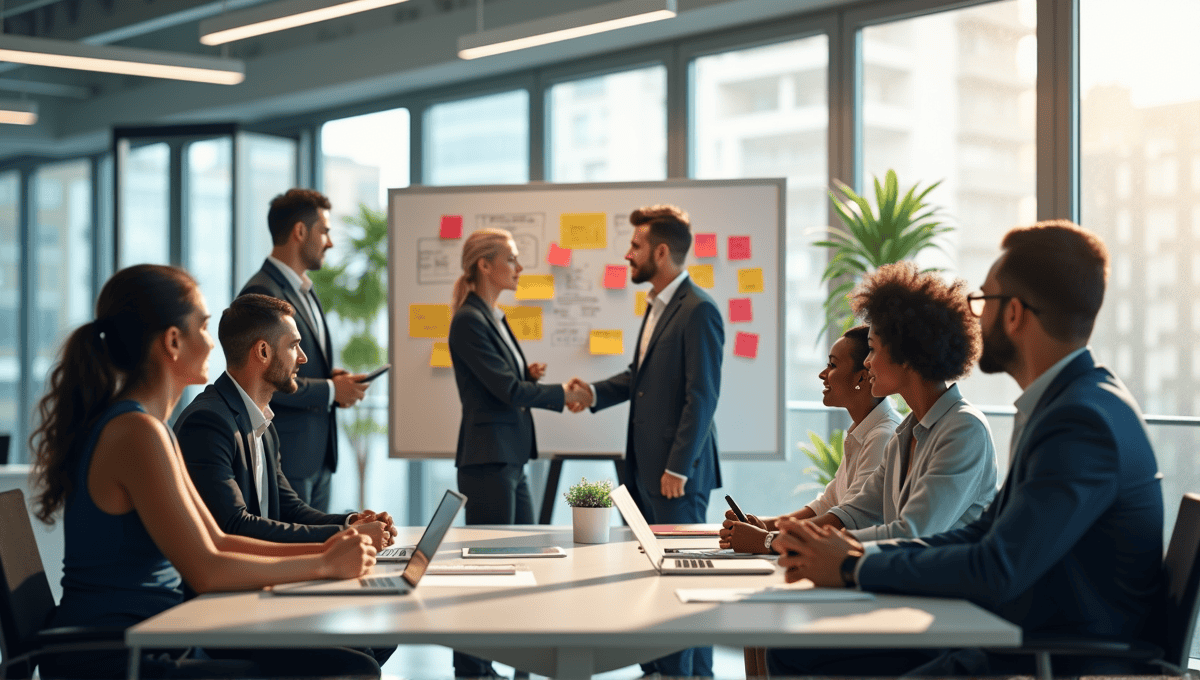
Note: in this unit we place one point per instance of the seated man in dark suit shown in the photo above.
(1072, 544)
(232, 451)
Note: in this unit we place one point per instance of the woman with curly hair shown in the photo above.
(939, 469)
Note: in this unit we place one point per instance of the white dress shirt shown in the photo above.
(951, 476)
(303, 287)
(498, 314)
(863, 452)
(259, 420)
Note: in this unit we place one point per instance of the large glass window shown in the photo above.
(609, 128)
(145, 228)
(950, 97)
(209, 230)
(62, 256)
(10, 305)
(266, 168)
(484, 140)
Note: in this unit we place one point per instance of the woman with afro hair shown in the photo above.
(939, 469)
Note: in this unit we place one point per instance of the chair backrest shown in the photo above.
(1183, 581)
(26, 603)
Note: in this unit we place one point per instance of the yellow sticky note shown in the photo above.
(639, 303)
(702, 275)
(607, 342)
(441, 355)
(750, 280)
(583, 231)
(525, 321)
(428, 321)
(535, 287)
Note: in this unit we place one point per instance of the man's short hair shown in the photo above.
(297, 205)
(665, 224)
(250, 318)
(1060, 269)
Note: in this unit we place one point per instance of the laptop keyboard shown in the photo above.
(693, 564)
(388, 582)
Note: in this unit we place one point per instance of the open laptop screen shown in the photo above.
(431, 540)
(637, 523)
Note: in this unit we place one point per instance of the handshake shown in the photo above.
(578, 395)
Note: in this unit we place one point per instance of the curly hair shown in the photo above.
(926, 323)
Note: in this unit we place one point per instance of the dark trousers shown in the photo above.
(314, 490)
(196, 663)
(691, 508)
(497, 493)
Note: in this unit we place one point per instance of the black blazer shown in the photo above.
(307, 426)
(496, 426)
(1073, 544)
(215, 436)
(672, 393)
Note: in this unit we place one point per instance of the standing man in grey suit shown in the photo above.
(299, 224)
(672, 388)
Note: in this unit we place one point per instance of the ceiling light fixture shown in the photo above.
(607, 17)
(123, 60)
(280, 16)
(18, 112)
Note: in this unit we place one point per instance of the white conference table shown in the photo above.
(602, 607)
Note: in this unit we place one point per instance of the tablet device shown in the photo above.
(376, 373)
(516, 551)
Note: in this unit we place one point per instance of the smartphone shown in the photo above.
(376, 373)
(736, 510)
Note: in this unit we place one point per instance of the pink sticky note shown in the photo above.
(559, 257)
(740, 310)
(615, 275)
(746, 345)
(706, 245)
(451, 226)
(739, 247)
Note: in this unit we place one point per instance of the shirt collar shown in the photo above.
(259, 420)
(1033, 394)
(941, 406)
(300, 282)
(668, 290)
(498, 313)
(882, 411)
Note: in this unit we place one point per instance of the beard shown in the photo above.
(280, 377)
(999, 352)
(644, 272)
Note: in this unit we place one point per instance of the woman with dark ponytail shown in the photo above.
(134, 526)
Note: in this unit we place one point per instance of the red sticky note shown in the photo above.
(740, 310)
(615, 275)
(706, 245)
(739, 247)
(746, 345)
(451, 226)
(559, 257)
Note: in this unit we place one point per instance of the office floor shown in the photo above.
(431, 662)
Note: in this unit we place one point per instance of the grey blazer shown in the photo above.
(307, 426)
(496, 426)
(672, 393)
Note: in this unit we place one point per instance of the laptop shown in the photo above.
(679, 565)
(390, 584)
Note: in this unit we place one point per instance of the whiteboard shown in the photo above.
(424, 410)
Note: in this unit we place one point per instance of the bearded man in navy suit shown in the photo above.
(1072, 545)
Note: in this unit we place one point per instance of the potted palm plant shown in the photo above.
(591, 504)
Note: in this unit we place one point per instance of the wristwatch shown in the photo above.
(848, 566)
(769, 539)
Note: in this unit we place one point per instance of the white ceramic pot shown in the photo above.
(590, 524)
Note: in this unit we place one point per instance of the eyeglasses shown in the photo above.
(975, 300)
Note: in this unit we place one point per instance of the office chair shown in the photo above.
(26, 603)
(1182, 603)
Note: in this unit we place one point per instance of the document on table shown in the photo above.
(802, 592)
(520, 579)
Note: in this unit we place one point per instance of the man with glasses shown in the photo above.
(1072, 545)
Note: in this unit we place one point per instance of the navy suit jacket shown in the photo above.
(1072, 545)
(672, 394)
(216, 439)
(307, 426)
(496, 425)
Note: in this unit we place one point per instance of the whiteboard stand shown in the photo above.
(556, 464)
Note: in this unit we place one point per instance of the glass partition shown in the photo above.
(144, 232)
(11, 420)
